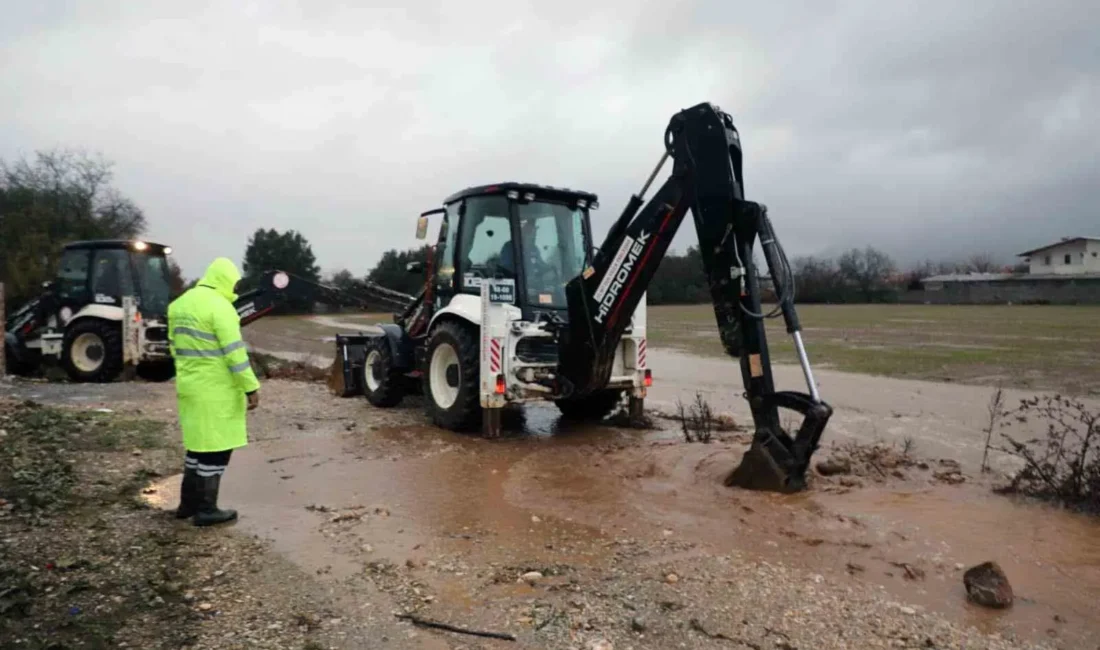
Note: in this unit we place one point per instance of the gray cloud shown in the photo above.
(929, 129)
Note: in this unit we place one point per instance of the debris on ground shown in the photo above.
(267, 366)
(988, 586)
(879, 462)
(834, 466)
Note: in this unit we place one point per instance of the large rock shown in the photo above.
(987, 585)
(833, 466)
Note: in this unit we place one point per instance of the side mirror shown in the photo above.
(414, 267)
(421, 227)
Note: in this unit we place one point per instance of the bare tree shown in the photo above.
(868, 269)
(982, 263)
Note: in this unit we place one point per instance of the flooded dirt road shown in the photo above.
(624, 525)
(632, 536)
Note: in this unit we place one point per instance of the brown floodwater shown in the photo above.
(413, 491)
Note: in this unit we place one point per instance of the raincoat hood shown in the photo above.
(222, 276)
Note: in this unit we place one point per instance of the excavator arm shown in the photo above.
(706, 179)
(275, 287)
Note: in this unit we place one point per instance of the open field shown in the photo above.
(1027, 346)
(1034, 347)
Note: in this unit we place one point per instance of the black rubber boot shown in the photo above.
(209, 514)
(189, 494)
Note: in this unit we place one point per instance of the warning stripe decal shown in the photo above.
(641, 353)
(494, 355)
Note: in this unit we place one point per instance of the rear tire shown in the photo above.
(91, 351)
(383, 385)
(451, 379)
(593, 407)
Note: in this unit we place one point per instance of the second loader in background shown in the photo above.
(519, 306)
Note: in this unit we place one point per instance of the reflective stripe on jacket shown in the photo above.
(213, 371)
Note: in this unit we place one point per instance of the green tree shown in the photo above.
(392, 270)
(680, 279)
(268, 250)
(176, 281)
(342, 279)
(55, 197)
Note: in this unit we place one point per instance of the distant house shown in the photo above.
(1070, 256)
(1064, 272)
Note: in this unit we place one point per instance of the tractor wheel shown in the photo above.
(451, 380)
(593, 407)
(157, 371)
(383, 385)
(92, 351)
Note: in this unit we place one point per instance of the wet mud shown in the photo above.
(370, 500)
(344, 497)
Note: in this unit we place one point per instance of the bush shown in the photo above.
(1064, 465)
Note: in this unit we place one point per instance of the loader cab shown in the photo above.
(102, 272)
(537, 236)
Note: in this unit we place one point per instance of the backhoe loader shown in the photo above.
(518, 306)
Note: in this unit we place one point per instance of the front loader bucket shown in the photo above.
(347, 366)
(775, 462)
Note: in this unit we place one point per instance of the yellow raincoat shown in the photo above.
(213, 372)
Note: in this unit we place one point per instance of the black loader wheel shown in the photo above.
(383, 384)
(593, 407)
(91, 351)
(451, 378)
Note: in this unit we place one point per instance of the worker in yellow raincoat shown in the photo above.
(214, 387)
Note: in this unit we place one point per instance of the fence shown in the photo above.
(1060, 291)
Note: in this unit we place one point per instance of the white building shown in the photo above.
(1070, 256)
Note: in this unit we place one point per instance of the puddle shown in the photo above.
(1051, 556)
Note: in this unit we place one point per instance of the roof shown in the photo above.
(110, 243)
(1062, 242)
(541, 191)
(998, 277)
(970, 277)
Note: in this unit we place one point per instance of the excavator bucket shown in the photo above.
(776, 462)
(767, 466)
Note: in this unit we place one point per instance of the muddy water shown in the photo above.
(909, 539)
(1052, 557)
(335, 500)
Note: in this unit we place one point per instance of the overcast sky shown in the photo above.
(929, 129)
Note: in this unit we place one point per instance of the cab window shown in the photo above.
(486, 241)
(72, 276)
(111, 274)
